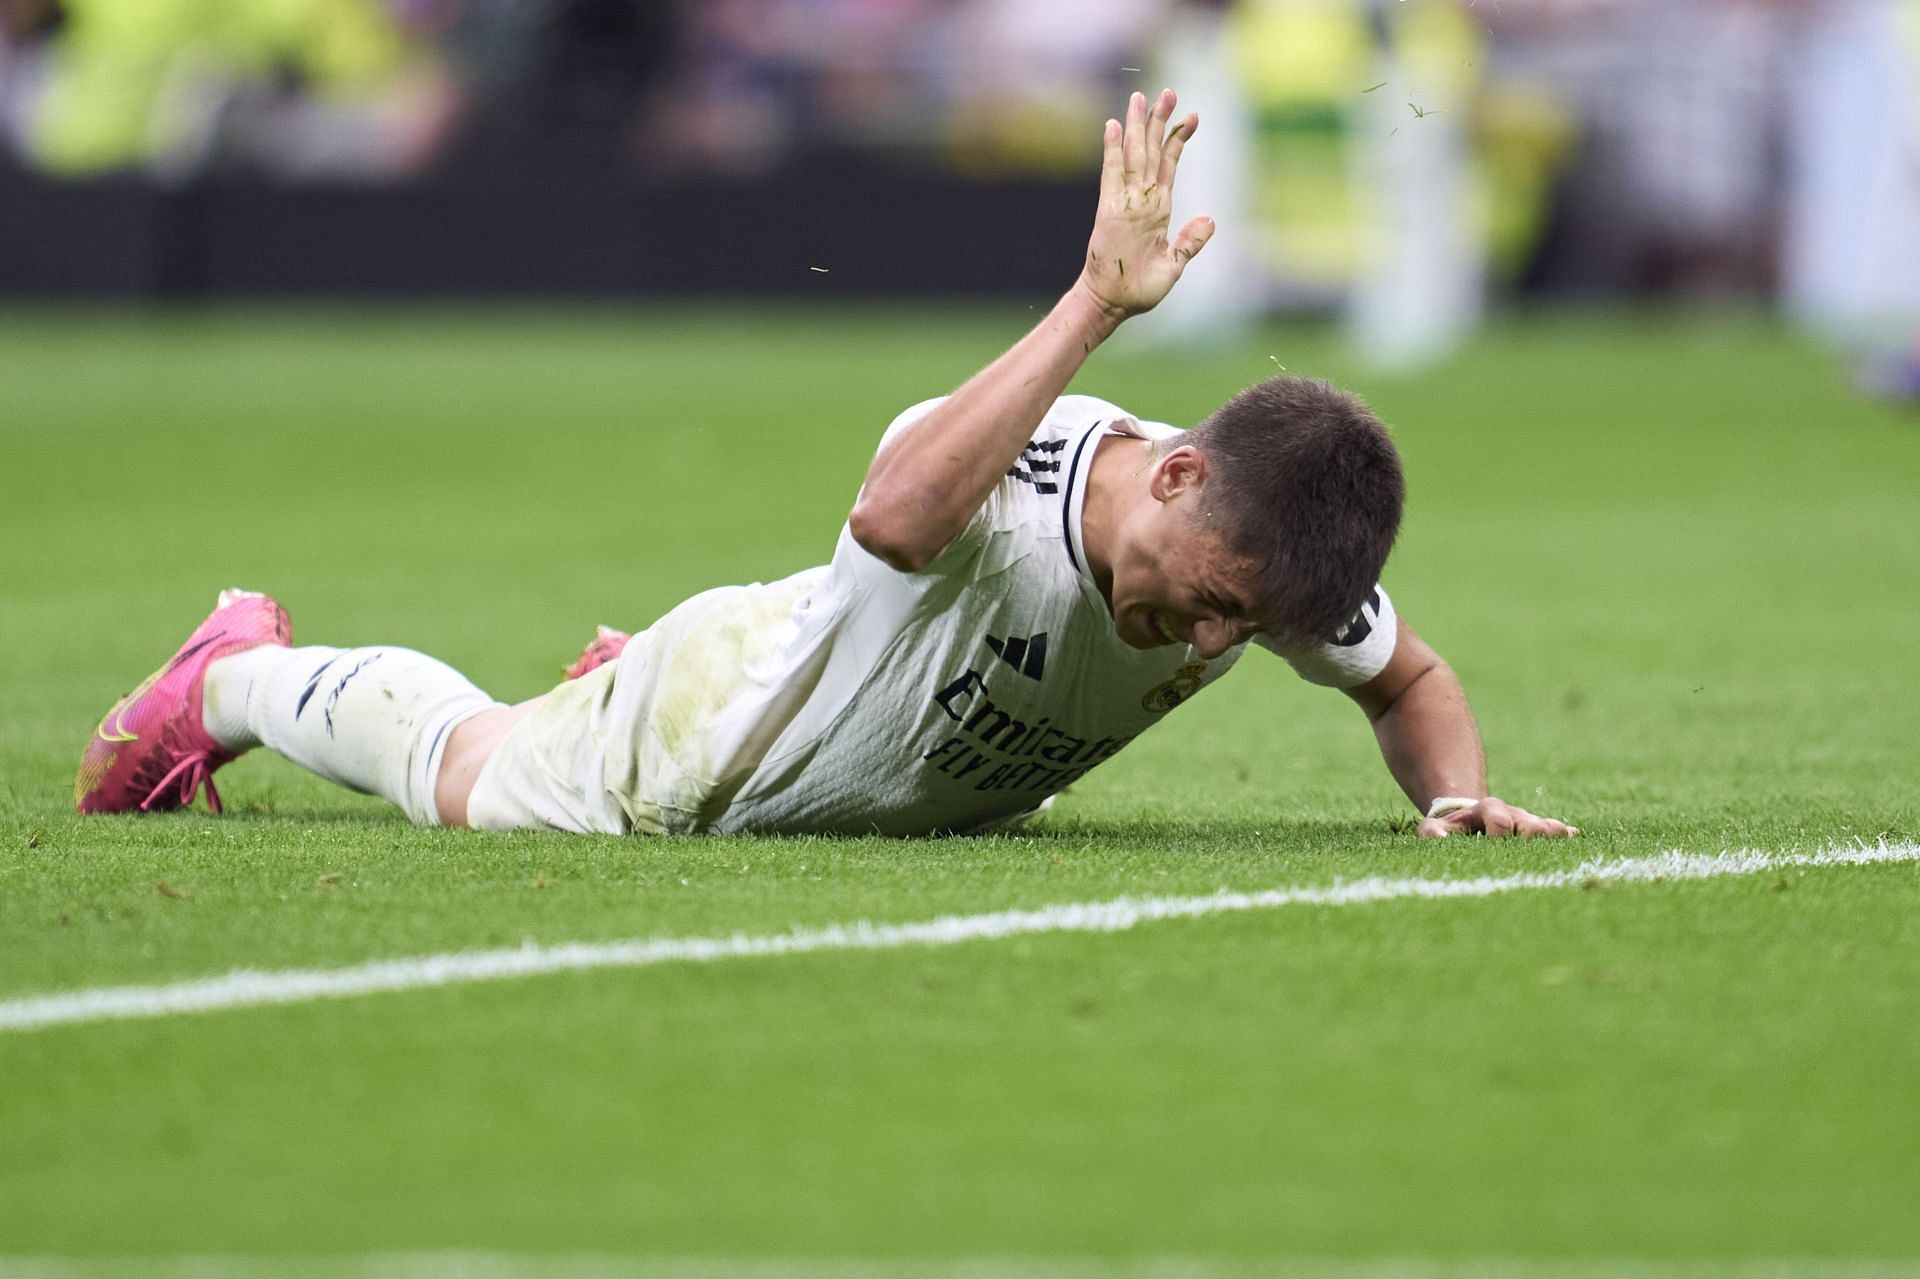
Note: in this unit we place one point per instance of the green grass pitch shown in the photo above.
(1675, 562)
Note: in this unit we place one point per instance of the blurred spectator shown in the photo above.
(566, 83)
(26, 29)
(292, 87)
(1384, 157)
(997, 85)
(1419, 287)
(1851, 252)
(1225, 293)
(1676, 108)
(735, 101)
(1028, 80)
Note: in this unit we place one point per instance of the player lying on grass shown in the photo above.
(1026, 583)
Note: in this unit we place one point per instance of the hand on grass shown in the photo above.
(1494, 817)
(1130, 263)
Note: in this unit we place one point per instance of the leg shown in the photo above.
(383, 721)
(468, 750)
(473, 742)
(375, 719)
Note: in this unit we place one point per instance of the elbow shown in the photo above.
(883, 535)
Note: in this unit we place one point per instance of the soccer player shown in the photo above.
(1027, 581)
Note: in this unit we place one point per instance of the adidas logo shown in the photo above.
(1361, 626)
(1028, 655)
(1039, 465)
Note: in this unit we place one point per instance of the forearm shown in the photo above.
(1430, 740)
(928, 482)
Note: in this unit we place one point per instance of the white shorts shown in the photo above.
(660, 740)
(544, 773)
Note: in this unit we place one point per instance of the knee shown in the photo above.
(469, 747)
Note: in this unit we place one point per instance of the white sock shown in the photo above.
(229, 684)
(373, 719)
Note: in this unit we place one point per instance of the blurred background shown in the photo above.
(1399, 164)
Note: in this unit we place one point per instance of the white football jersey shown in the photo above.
(857, 699)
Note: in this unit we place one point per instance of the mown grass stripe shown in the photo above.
(246, 988)
(485, 1265)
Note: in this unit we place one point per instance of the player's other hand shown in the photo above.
(1131, 264)
(1494, 817)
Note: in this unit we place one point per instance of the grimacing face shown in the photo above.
(1173, 579)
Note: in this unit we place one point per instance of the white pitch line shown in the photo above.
(245, 988)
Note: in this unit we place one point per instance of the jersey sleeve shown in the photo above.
(906, 419)
(984, 520)
(1358, 653)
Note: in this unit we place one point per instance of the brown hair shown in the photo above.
(1304, 480)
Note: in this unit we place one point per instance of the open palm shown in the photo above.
(1131, 264)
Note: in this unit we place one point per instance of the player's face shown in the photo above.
(1175, 582)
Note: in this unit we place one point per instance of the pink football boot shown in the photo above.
(607, 645)
(151, 751)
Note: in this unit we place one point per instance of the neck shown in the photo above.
(1119, 468)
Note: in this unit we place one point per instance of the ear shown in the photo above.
(1182, 472)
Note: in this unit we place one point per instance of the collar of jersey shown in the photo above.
(1079, 466)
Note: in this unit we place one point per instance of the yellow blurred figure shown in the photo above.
(128, 80)
(1302, 64)
(1322, 78)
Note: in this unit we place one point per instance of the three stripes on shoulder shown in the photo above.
(1039, 465)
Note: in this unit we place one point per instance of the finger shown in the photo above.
(1135, 141)
(1176, 143)
(1433, 828)
(1527, 825)
(1112, 162)
(1552, 827)
(1155, 135)
(1495, 818)
(1193, 237)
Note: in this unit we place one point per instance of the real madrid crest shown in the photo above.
(1162, 698)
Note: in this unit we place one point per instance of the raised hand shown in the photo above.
(1131, 264)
